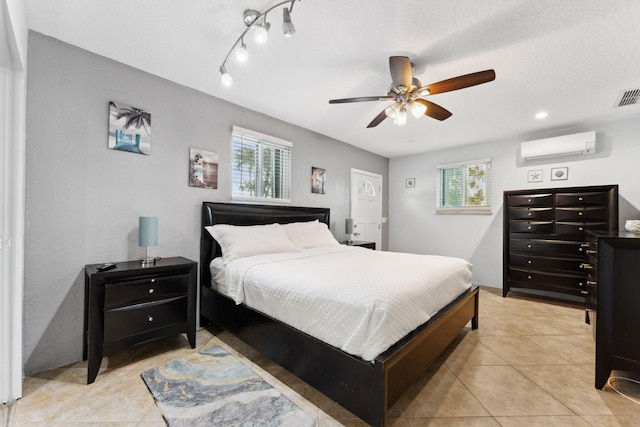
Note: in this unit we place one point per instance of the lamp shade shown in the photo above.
(348, 225)
(148, 231)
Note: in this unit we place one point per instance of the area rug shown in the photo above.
(213, 388)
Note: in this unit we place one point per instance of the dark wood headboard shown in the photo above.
(246, 214)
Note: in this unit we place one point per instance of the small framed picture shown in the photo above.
(534, 175)
(410, 182)
(559, 174)
(318, 180)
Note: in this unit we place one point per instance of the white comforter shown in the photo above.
(359, 300)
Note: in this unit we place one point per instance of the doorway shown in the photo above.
(365, 206)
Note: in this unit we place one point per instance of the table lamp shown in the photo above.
(148, 236)
(348, 229)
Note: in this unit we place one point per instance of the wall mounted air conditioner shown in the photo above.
(579, 144)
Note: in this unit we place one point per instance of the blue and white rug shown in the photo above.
(213, 388)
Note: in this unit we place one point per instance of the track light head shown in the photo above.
(262, 32)
(225, 77)
(241, 52)
(287, 26)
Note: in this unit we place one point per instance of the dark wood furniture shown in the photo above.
(361, 243)
(544, 230)
(367, 389)
(614, 295)
(132, 304)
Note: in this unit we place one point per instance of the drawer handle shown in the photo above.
(150, 318)
(151, 290)
(529, 277)
(529, 228)
(585, 245)
(591, 283)
(581, 284)
(529, 200)
(528, 246)
(580, 228)
(585, 266)
(580, 198)
(579, 213)
(584, 292)
(591, 251)
(528, 261)
(153, 280)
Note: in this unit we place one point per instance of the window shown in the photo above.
(261, 167)
(464, 187)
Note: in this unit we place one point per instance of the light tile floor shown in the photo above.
(530, 363)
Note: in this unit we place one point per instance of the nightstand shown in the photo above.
(361, 243)
(132, 304)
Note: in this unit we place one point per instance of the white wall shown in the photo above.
(415, 227)
(84, 200)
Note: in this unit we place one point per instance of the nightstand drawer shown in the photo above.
(146, 289)
(136, 319)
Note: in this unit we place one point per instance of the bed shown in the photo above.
(366, 388)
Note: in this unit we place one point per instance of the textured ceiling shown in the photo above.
(571, 58)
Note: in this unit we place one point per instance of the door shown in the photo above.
(366, 206)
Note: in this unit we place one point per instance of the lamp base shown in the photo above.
(148, 261)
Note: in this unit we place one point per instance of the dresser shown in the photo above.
(544, 237)
(131, 304)
(613, 301)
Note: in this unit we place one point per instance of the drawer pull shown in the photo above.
(150, 318)
(579, 213)
(591, 283)
(581, 284)
(529, 277)
(591, 251)
(580, 198)
(586, 266)
(151, 290)
(585, 245)
(529, 213)
(580, 228)
(528, 246)
(584, 292)
(153, 280)
(529, 228)
(528, 261)
(529, 200)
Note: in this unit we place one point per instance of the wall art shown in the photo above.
(129, 129)
(559, 174)
(203, 168)
(318, 180)
(410, 182)
(534, 175)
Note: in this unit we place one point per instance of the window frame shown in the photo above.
(263, 142)
(464, 209)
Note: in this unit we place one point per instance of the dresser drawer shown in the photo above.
(539, 227)
(581, 199)
(540, 200)
(145, 289)
(546, 246)
(554, 263)
(560, 280)
(539, 214)
(137, 319)
(578, 228)
(582, 214)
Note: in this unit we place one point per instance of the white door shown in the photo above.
(366, 206)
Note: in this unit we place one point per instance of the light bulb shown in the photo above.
(418, 109)
(241, 53)
(225, 77)
(390, 112)
(262, 32)
(401, 117)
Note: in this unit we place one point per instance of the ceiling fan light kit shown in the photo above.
(256, 22)
(407, 92)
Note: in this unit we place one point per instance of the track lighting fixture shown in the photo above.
(257, 22)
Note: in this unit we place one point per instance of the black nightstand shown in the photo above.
(132, 304)
(362, 243)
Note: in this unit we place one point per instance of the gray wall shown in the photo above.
(415, 227)
(83, 200)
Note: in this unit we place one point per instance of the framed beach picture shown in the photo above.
(559, 174)
(203, 168)
(129, 129)
(318, 180)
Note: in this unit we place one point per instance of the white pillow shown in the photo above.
(243, 241)
(312, 234)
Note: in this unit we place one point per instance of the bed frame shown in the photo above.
(367, 389)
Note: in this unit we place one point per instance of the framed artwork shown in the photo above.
(559, 174)
(410, 182)
(129, 129)
(318, 180)
(203, 168)
(534, 175)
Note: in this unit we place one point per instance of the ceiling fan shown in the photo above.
(406, 93)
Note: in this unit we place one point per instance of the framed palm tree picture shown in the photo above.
(203, 168)
(129, 129)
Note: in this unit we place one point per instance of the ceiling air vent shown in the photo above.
(628, 97)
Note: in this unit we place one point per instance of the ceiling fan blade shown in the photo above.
(379, 118)
(361, 99)
(434, 110)
(400, 68)
(461, 82)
